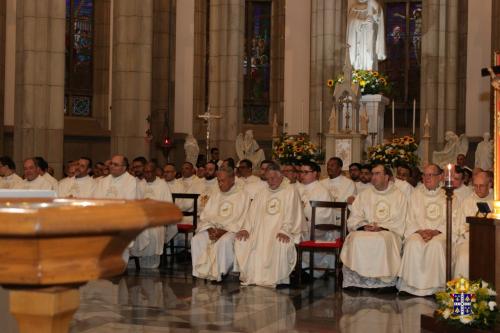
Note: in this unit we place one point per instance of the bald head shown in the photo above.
(481, 183)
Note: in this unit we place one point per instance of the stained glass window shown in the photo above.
(256, 65)
(79, 48)
(403, 30)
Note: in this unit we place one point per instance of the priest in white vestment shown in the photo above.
(210, 184)
(312, 190)
(43, 168)
(265, 246)
(254, 188)
(468, 207)
(119, 184)
(460, 190)
(371, 253)
(246, 176)
(212, 247)
(189, 183)
(149, 245)
(423, 267)
(365, 178)
(9, 179)
(81, 185)
(32, 179)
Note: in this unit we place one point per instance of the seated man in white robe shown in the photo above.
(292, 173)
(460, 190)
(210, 185)
(9, 179)
(81, 185)
(188, 183)
(32, 179)
(265, 246)
(365, 178)
(254, 188)
(149, 244)
(355, 172)
(43, 168)
(403, 174)
(342, 189)
(423, 265)
(246, 176)
(312, 190)
(371, 253)
(468, 207)
(119, 184)
(212, 247)
(169, 173)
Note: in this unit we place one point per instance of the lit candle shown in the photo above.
(414, 108)
(393, 132)
(447, 182)
(321, 116)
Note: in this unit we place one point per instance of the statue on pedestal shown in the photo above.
(248, 148)
(332, 120)
(191, 149)
(363, 122)
(454, 145)
(484, 153)
(365, 34)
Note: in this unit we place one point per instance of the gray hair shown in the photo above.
(227, 170)
(273, 166)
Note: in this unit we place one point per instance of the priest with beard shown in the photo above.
(482, 193)
(372, 251)
(212, 248)
(423, 266)
(81, 185)
(265, 246)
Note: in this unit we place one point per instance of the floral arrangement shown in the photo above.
(467, 303)
(370, 82)
(294, 149)
(398, 151)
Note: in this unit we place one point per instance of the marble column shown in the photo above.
(439, 68)
(225, 86)
(132, 65)
(161, 94)
(278, 62)
(101, 62)
(39, 91)
(328, 34)
(3, 27)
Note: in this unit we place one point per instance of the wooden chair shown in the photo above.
(312, 246)
(184, 228)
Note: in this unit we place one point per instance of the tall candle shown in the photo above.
(302, 116)
(393, 132)
(447, 182)
(321, 116)
(414, 108)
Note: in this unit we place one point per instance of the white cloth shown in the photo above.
(51, 180)
(360, 186)
(423, 267)
(9, 182)
(404, 187)
(484, 154)
(191, 185)
(468, 207)
(262, 259)
(255, 188)
(39, 183)
(83, 187)
(121, 187)
(461, 193)
(224, 210)
(374, 256)
(340, 187)
(365, 35)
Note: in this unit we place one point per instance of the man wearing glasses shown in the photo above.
(119, 184)
(372, 251)
(423, 265)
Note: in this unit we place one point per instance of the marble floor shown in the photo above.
(171, 301)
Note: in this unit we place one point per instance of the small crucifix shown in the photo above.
(207, 116)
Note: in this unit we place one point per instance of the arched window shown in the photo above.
(403, 19)
(79, 58)
(257, 69)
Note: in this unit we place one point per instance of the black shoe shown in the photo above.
(282, 286)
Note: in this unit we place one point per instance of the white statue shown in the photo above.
(333, 121)
(454, 146)
(192, 149)
(365, 34)
(275, 125)
(363, 122)
(247, 147)
(484, 153)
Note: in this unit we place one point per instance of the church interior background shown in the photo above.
(96, 78)
(101, 77)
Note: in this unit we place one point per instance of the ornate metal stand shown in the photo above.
(448, 187)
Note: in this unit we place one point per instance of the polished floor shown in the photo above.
(171, 301)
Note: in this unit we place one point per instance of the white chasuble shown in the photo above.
(9, 182)
(39, 183)
(227, 211)
(262, 259)
(121, 187)
(372, 259)
(423, 265)
(73, 187)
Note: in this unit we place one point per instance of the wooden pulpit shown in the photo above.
(51, 247)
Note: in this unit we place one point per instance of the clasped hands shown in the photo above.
(243, 235)
(215, 233)
(373, 227)
(427, 234)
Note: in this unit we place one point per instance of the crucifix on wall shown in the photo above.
(207, 117)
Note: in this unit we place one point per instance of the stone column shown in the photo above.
(161, 94)
(39, 91)
(132, 59)
(3, 8)
(439, 68)
(101, 65)
(278, 62)
(328, 33)
(225, 87)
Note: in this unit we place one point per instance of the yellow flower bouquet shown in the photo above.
(370, 82)
(294, 149)
(399, 151)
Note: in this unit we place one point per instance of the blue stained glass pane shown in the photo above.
(81, 106)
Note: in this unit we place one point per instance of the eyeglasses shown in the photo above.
(431, 174)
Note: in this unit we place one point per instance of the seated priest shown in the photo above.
(81, 185)
(460, 190)
(212, 248)
(149, 244)
(482, 193)
(342, 189)
(32, 178)
(372, 251)
(265, 246)
(312, 190)
(8, 177)
(119, 184)
(423, 267)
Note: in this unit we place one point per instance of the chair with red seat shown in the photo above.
(313, 246)
(185, 228)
